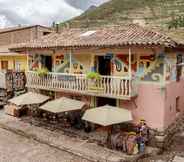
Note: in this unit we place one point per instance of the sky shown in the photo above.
(43, 12)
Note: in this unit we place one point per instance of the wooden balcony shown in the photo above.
(107, 86)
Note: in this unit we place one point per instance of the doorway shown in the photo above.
(101, 101)
(104, 65)
(47, 62)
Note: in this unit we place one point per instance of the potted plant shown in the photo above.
(42, 72)
(93, 78)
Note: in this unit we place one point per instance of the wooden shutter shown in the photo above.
(4, 65)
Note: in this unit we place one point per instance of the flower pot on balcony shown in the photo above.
(42, 72)
(93, 79)
(92, 83)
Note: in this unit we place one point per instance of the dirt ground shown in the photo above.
(15, 148)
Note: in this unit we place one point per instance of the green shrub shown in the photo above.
(176, 22)
(42, 72)
(93, 75)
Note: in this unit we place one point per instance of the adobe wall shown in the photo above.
(12, 61)
(20, 36)
(15, 36)
(149, 104)
(172, 91)
(157, 105)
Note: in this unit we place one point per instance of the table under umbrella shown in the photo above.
(28, 99)
(107, 116)
(19, 105)
(59, 106)
(62, 104)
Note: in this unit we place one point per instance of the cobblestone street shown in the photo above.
(16, 148)
(18, 143)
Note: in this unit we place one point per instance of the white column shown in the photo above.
(54, 61)
(130, 70)
(163, 82)
(70, 61)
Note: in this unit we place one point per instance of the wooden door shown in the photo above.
(4, 65)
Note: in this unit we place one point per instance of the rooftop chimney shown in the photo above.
(57, 28)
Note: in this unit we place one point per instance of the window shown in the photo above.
(17, 66)
(46, 33)
(178, 68)
(177, 104)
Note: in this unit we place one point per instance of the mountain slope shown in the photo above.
(149, 12)
(84, 4)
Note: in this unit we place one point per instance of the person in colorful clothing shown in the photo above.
(140, 142)
(143, 130)
(131, 143)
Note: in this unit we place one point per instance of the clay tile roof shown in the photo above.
(101, 37)
(4, 51)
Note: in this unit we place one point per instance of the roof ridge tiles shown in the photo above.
(124, 35)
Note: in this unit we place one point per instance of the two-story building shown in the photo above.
(139, 70)
(19, 34)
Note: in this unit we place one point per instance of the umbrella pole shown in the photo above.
(109, 145)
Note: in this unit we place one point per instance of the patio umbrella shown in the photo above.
(28, 99)
(62, 105)
(107, 115)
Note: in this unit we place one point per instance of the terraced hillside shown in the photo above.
(148, 12)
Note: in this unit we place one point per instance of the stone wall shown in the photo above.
(163, 139)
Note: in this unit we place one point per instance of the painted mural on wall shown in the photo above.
(62, 64)
(143, 65)
(153, 66)
(34, 62)
(170, 62)
(37, 61)
(145, 68)
(120, 64)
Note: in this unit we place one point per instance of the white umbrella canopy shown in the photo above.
(62, 104)
(107, 115)
(28, 99)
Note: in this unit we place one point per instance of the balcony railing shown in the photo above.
(106, 86)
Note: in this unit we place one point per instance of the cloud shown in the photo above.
(44, 12)
(13, 12)
(85, 4)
